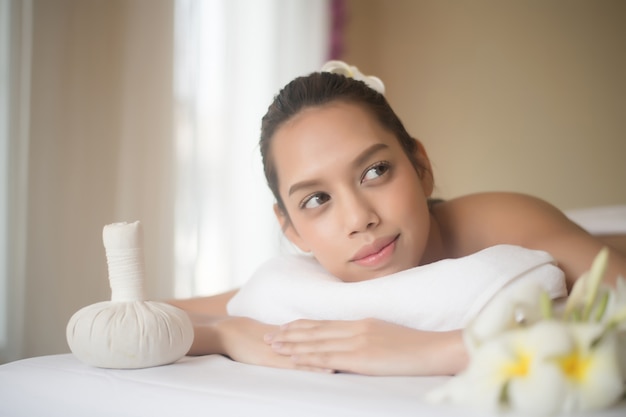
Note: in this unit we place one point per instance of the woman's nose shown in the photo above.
(358, 213)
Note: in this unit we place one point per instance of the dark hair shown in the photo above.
(318, 89)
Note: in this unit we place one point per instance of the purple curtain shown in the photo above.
(338, 19)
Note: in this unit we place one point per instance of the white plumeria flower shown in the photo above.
(340, 67)
(590, 371)
(509, 370)
(533, 384)
(591, 301)
(527, 358)
(544, 369)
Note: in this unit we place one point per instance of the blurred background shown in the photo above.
(123, 110)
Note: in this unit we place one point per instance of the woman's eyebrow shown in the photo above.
(302, 184)
(358, 161)
(368, 152)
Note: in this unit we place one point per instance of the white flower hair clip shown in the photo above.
(340, 67)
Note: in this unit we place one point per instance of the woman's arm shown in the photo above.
(371, 347)
(367, 346)
(214, 305)
(206, 314)
(239, 338)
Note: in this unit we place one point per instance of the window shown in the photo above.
(231, 58)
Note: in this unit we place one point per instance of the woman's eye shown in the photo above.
(375, 171)
(315, 200)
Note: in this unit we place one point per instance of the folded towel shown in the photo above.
(443, 295)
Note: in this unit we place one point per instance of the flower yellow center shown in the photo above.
(575, 366)
(518, 367)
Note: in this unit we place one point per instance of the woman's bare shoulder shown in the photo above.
(497, 200)
(475, 221)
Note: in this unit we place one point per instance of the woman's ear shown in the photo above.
(288, 229)
(426, 170)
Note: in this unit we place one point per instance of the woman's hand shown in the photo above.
(369, 346)
(241, 339)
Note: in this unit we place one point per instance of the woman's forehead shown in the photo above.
(337, 120)
(328, 136)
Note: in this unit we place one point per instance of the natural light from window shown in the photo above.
(231, 57)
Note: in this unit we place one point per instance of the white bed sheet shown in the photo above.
(60, 385)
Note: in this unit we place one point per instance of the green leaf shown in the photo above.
(546, 305)
(596, 275)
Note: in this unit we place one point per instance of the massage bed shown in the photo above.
(61, 385)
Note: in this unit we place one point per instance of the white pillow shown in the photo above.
(443, 295)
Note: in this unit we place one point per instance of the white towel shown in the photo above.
(443, 295)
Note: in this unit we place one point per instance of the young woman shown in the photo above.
(352, 187)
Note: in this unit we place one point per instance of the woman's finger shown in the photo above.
(310, 330)
(341, 361)
(344, 344)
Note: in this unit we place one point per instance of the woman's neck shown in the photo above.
(435, 247)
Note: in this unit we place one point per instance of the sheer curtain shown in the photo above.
(15, 50)
(231, 58)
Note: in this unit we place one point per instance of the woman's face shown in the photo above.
(353, 198)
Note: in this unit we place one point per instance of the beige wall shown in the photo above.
(525, 96)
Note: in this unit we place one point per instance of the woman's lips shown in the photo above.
(376, 253)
